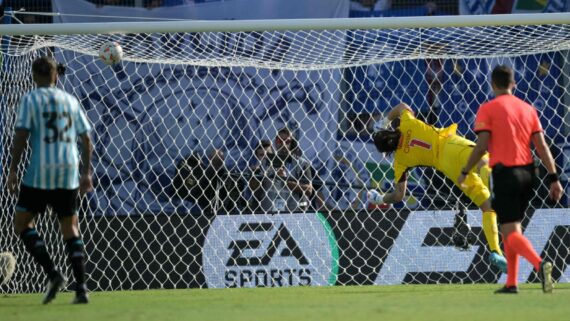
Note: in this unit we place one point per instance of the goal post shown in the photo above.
(176, 125)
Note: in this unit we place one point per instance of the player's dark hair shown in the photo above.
(44, 67)
(386, 141)
(502, 76)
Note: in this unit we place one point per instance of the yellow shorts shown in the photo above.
(454, 155)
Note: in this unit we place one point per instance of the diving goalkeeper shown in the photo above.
(416, 143)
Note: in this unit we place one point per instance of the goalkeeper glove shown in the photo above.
(374, 197)
(384, 123)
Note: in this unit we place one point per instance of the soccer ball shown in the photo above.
(111, 53)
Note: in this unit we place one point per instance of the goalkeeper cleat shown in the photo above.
(80, 298)
(53, 286)
(508, 290)
(498, 261)
(545, 275)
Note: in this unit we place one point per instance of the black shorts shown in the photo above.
(513, 188)
(64, 202)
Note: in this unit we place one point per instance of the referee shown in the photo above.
(506, 126)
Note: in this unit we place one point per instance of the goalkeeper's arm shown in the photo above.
(395, 196)
(397, 110)
(394, 113)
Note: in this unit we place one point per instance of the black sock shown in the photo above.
(76, 254)
(37, 249)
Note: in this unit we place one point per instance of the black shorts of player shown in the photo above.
(64, 202)
(513, 187)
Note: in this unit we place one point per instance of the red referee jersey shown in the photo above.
(511, 123)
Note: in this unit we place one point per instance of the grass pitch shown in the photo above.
(394, 303)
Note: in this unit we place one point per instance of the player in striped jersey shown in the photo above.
(416, 143)
(52, 120)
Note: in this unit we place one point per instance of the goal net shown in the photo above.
(185, 198)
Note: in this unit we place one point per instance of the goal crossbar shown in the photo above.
(286, 24)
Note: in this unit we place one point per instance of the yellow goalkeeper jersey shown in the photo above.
(419, 144)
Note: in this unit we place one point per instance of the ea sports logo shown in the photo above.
(269, 251)
(282, 236)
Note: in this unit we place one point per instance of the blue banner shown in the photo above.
(376, 88)
(464, 88)
(538, 81)
(147, 117)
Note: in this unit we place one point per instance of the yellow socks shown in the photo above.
(491, 231)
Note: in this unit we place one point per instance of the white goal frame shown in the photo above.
(311, 220)
(288, 24)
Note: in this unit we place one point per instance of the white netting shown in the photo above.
(164, 215)
(310, 50)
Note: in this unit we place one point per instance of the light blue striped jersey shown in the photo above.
(55, 120)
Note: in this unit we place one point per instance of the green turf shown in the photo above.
(368, 303)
